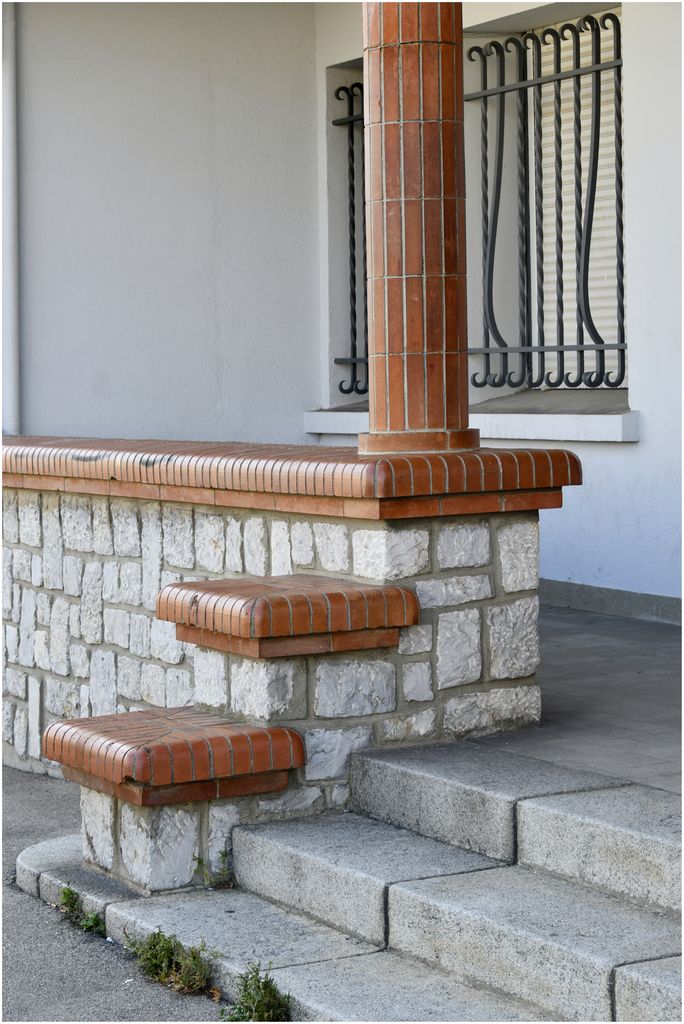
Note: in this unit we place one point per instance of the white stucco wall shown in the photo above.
(168, 219)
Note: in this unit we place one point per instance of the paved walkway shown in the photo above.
(611, 703)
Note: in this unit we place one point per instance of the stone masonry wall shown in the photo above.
(81, 575)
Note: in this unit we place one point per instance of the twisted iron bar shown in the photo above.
(473, 52)
(615, 382)
(530, 37)
(551, 381)
(524, 298)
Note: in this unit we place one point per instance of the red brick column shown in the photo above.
(415, 215)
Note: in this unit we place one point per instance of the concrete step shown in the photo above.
(338, 867)
(537, 937)
(649, 991)
(626, 841)
(459, 793)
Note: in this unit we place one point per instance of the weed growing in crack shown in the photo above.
(71, 905)
(259, 998)
(163, 958)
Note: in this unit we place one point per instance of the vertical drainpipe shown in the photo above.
(11, 412)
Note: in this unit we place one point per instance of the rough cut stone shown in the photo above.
(410, 727)
(233, 545)
(34, 717)
(223, 816)
(180, 690)
(43, 608)
(210, 542)
(292, 803)
(447, 591)
(91, 603)
(268, 688)
(59, 636)
(153, 685)
(27, 628)
(211, 681)
(346, 689)
(130, 583)
(61, 697)
(29, 518)
(459, 651)
(476, 714)
(53, 549)
(41, 650)
(7, 582)
(281, 560)
(77, 522)
(20, 731)
(519, 556)
(159, 846)
(163, 642)
(117, 625)
(98, 812)
(37, 570)
(417, 680)
(72, 574)
(79, 656)
(126, 528)
(332, 545)
(11, 642)
(151, 553)
(103, 682)
(255, 546)
(128, 678)
(415, 639)
(84, 700)
(21, 565)
(14, 683)
(8, 709)
(513, 638)
(75, 621)
(390, 554)
(16, 602)
(328, 750)
(301, 537)
(10, 517)
(177, 532)
(463, 545)
(139, 642)
(103, 543)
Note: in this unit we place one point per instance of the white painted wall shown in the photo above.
(168, 219)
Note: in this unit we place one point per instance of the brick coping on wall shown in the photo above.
(295, 478)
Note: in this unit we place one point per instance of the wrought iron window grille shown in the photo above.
(534, 352)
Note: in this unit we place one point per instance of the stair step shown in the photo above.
(459, 793)
(649, 991)
(543, 939)
(627, 840)
(337, 867)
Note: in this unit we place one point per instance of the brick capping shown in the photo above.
(173, 755)
(302, 614)
(293, 478)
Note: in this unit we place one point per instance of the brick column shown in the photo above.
(415, 215)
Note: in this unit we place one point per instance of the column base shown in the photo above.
(395, 441)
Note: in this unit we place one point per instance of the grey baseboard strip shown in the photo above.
(559, 594)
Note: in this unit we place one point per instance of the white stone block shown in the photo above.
(10, 516)
(21, 565)
(37, 570)
(223, 817)
(128, 678)
(159, 846)
(447, 591)
(79, 656)
(7, 582)
(125, 527)
(41, 650)
(519, 556)
(84, 701)
(211, 679)
(233, 545)
(153, 685)
(409, 727)
(91, 603)
(16, 602)
(347, 688)
(103, 541)
(459, 649)
(98, 813)
(210, 542)
(53, 548)
(163, 642)
(463, 545)
(61, 697)
(77, 522)
(14, 683)
(513, 638)
(151, 553)
(332, 545)
(59, 636)
(11, 642)
(139, 642)
(417, 680)
(302, 542)
(339, 795)
(178, 536)
(43, 609)
(20, 731)
(328, 750)
(168, 577)
(29, 518)
(281, 559)
(110, 582)
(268, 688)
(390, 554)
(117, 625)
(293, 803)
(180, 689)
(75, 621)
(415, 639)
(34, 717)
(27, 627)
(8, 710)
(72, 574)
(477, 714)
(255, 546)
(130, 583)
(103, 682)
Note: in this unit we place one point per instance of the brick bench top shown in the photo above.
(168, 747)
(295, 478)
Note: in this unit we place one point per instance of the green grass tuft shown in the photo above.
(258, 998)
(71, 905)
(164, 959)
